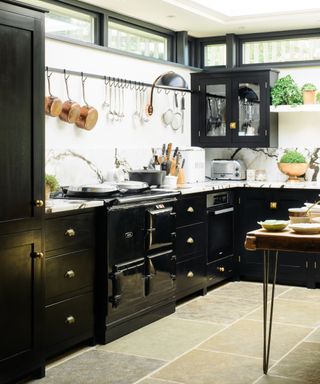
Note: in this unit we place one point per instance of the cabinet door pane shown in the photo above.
(249, 109)
(216, 110)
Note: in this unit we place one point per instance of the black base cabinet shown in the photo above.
(261, 204)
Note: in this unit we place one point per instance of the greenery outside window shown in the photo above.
(214, 55)
(138, 41)
(66, 22)
(281, 50)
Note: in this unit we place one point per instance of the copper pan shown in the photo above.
(88, 115)
(52, 104)
(70, 109)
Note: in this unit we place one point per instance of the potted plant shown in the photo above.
(286, 92)
(293, 164)
(309, 93)
(52, 184)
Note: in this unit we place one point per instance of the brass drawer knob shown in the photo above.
(190, 210)
(190, 240)
(38, 255)
(39, 203)
(190, 274)
(233, 125)
(70, 320)
(220, 269)
(70, 274)
(70, 232)
(273, 205)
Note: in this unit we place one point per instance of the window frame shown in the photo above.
(280, 35)
(203, 42)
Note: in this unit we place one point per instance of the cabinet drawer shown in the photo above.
(76, 231)
(69, 319)
(69, 272)
(221, 270)
(190, 239)
(192, 210)
(191, 273)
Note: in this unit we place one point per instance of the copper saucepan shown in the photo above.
(52, 104)
(70, 109)
(88, 115)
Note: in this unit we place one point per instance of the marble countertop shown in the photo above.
(61, 205)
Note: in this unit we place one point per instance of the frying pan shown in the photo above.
(70, 109)
(52, 104)
(88, 115)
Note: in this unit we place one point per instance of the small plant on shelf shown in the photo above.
(309, 93)
(52, 184)
(293, 164)
(286, 92)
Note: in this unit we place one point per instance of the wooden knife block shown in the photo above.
(181, 177)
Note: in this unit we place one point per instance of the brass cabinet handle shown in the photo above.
(39, 203)
(190, 274)
(70, 232)
(190, 240)
(38, 255)
(220, 269)
(190, 210)
(233, 125)
(273, 205)
(70, 274)
(70, 320)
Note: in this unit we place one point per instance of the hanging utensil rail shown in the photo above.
(127, 83)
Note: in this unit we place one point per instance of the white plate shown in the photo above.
(306, 228)
(315, 208)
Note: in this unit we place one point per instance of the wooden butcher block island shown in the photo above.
(286, 240)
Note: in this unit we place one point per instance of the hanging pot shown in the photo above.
(88, 115)
(70, 109)
(52, 104)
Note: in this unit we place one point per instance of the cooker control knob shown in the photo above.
(237, 168)
(69, 274)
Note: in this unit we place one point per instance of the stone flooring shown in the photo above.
(212, 339)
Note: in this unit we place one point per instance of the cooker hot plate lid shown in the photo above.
(132, 185)
(93, 188)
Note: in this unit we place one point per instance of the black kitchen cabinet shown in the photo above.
(232, 109)
(69, 279)
(191, 244)
(22, 191)
(261, 204)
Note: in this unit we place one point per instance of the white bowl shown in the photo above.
(306, 228)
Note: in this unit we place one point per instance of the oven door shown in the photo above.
(160, 225)
(127, 286)
(161, 275)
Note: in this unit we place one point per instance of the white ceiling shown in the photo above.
(217, 17)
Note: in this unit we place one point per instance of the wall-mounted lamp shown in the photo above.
(170, 80)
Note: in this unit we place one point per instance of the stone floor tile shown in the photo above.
(245, 337)
(314, 337)
(246, 290)
(164, 339)
(303, 294)
(301, 364)
(268, 379)
(202, 367)
(217, 309)
(98, 367)
(151, 380)
(293, 312)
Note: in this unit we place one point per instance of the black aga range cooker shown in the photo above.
(136, 275)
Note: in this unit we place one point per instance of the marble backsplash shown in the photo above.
(92, 165)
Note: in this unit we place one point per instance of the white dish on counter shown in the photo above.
(315, 208)
(306, 228)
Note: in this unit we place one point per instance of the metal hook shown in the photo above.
(106, 82)
(167, 91)
(131, 85)
(48, 79)
(66, 77)
(159, 90)
(83, 80)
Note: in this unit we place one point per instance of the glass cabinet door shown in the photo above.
(249, 97)
(216, 124)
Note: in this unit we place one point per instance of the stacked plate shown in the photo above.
(306, 228)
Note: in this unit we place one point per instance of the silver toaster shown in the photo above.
(228, 170)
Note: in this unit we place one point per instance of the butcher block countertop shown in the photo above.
(286, 240)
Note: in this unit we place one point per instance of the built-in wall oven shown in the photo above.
(141, 264)
(220, 219)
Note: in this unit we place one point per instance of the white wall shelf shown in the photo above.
(296, 108)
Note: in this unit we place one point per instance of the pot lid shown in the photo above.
(145, 171)
(94, 188)
(132, 185)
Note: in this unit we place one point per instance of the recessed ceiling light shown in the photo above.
(171, 16)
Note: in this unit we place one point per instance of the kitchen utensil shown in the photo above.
(136, 114)
(167, 116)
(88, 115)
(110, 115)
(149, 176)
(105, 103)
(92, 190)
(121, 108)
(70, 111)
(144, 117)
(177, 117)
(274, 225)
(53, 105)
(132, 186)
(168, 167)
(116, 102)
(173, 162)
(183, 107)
